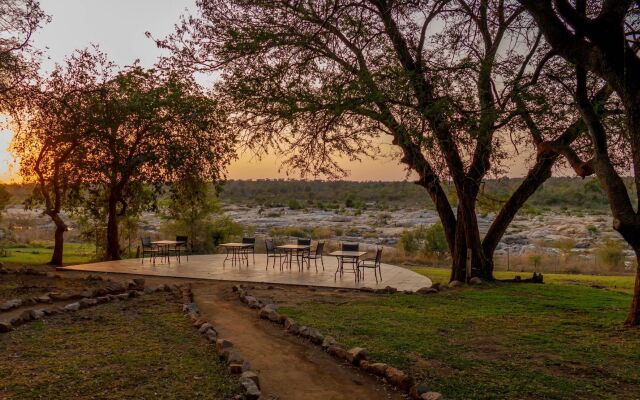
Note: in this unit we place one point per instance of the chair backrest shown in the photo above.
(319, 248)
(304, 242)
(270, 245)
(249, 240)
(183, 239)
(379, 256)
(146, 241)
(350, 247)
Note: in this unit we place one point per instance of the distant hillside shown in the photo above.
(557, 193)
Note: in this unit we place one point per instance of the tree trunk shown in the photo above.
(113, 241)
(58, 247)
(634, 313)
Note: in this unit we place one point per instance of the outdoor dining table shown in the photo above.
(237, 253)
(290, 249)
(341, 255)
(164, 246)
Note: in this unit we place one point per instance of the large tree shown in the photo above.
(151, 128)
(442, 78)
(603, 38)
(51, 132)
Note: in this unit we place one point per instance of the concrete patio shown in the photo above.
(212, 267)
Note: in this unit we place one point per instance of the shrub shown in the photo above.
(429, 240)
(611, 253)
(294, 204)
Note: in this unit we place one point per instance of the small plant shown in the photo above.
(592, 229)
(536, 260)
(565, 246)
(294, 204)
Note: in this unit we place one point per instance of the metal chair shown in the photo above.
(315, 256)
(252, 248)
(350, 247)
(301, 254)
(374, 264)
(148, 248)
(272, 252)
(178, 249)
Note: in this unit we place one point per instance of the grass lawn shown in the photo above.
(498, 341)
(618, 283)
(139, 349)
(74, 253)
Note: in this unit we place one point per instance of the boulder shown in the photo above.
(56, 296)
(139, 282)
(39, 314)
(27, 315)
(355, 355)
(288, 322)
(455, 284)
(44, 299)
(432, 396)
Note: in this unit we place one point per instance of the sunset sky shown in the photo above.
(118, 27)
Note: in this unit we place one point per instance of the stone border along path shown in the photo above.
(225, 349)
(356, 356)
(90, 298)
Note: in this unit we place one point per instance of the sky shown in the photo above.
(118, 27)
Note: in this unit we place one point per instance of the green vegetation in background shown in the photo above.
(144, 348)
(428, 240)
(40, 253)
(500, 341)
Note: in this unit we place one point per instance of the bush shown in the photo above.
(224, 229)
(429, 240)
(294, 204)
(611, 253)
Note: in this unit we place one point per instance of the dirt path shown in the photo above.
(289, 368)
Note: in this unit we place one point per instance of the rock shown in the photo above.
(232, 356)
(122, 296)
(427, 290)
(222, 344)
(398, 378)
(338, 352)
(328, 341)
(27, 315)
(379, 369)
(56, 296)
(53, 311)
(211, 335)
(86, 303)
(455, 284)
(437, 286)
(294, 328)
(39, 314)
(72, 307)
(418, 390)
(204, 327)
(432, 396)
(268, 312)
(191, 308)
(355, 355)
(5, 327)
(251, 390)
(251, 375)
(103, 299)
(44, 299)
(315, 336)
(139, 283)
(475, 281)
(11, 304)
(199, 323)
